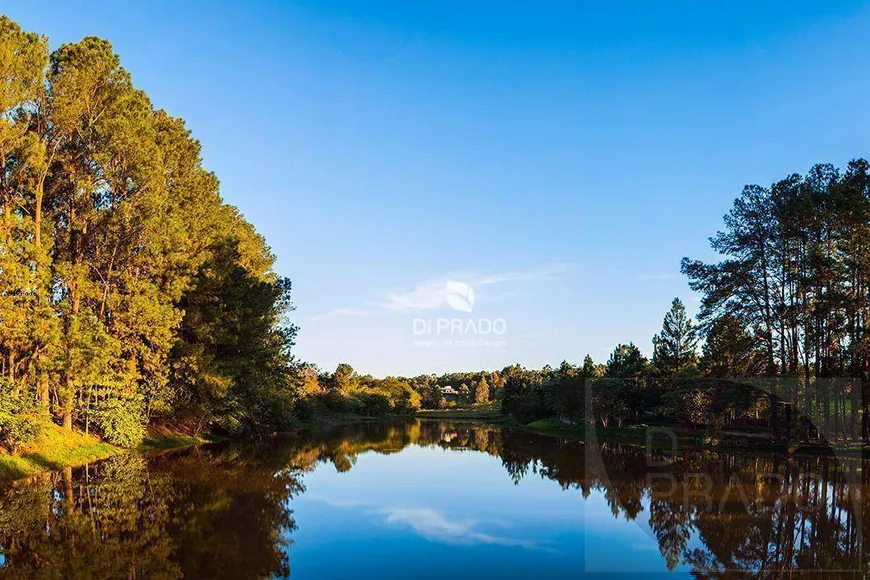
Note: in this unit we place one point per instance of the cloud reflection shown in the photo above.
(434, 526)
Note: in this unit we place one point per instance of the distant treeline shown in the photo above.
(784, 318)
(128, 290)
(781, 345)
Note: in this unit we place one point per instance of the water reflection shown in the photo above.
(192, 515)
(227, 511)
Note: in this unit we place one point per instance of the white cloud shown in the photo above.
(553, 271)
(429, 295)
(426, 296)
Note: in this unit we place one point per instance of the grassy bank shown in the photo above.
(174, 441)
(696, 439)
(459, 414)
(482, 411)
(56, 448)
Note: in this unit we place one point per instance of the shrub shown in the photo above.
(334, 401)
(121, 420)
(354, 405)
(376, 403)
(19, 424)
(17, 430)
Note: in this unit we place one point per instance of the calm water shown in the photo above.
(434, 499)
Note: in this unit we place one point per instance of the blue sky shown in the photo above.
(558, 157)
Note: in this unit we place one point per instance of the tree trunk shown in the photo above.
(67, 412)
(42, 392)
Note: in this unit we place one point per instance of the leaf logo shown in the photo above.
(459, 296)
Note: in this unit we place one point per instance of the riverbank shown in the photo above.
(672, 436)
(490, 412)
(56, 448)
(666, 437)
(467, 414)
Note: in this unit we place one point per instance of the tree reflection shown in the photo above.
(196, 515)
(761, 513)
(224, 511)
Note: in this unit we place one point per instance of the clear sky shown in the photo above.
(558, 157)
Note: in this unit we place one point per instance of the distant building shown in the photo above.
(449, 391)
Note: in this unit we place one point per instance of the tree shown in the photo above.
(730, 350)
(23, 57)
(481, 392)
(675, 347)
(794, 272)
(344, 380)
(624, 393)
(464, 393)
(309, 380)
(129, 290)
(625, 361)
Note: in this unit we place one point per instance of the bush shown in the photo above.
(19, 424)
(334, 401)
(121, 420)
(354, 405)
(376, 403)
(17, 430)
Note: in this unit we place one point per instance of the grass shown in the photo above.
(489, 411)
(173, 441)
(551, 424)
(54, 448)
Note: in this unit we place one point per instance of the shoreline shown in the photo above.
(57, 449)
(731, 441)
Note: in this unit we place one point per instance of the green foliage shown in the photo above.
(627, 361)
(523, 394)
(16, 429)
(675, 347)
(52, 448)
(129, 290)
(347, 392)
(376, 404)
(344, 380)
(730, 350)
(120, 420)
(481, 391)
(789, 297)
(693, 405)
(19, 424)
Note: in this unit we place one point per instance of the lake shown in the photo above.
(435, 499)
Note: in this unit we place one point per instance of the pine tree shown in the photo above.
(675, 347)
